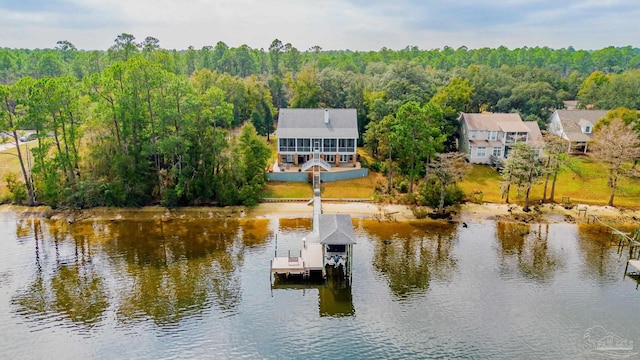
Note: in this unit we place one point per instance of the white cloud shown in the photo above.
(332, 24)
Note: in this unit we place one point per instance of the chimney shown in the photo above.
(326, 116)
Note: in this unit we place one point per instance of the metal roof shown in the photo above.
(309, 123)
(336, 229)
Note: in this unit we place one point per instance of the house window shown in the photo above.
(304, 145)
(473, 134)
(329, 145)
(482, 151)
(497, 151)
(336, 248)
(287, 144)
(330, 158)
(493, 135)
(344, 158)
(346, 145)
(587, 130)
(289, 159)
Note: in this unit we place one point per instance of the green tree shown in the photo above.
(124, 47)
(416, 136)
(12, 117)
(523, 169)
(275, 51)
(306, 91)
(447, 169)
(453, 98)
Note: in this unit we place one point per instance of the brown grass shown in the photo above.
(586, 184)
(9, 163)
(283, 189)
(362, 188)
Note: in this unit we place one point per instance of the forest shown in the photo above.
(138, 124)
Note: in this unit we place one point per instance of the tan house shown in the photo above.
(488, 137)
(575, 127)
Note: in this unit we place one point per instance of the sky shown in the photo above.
(360, 25)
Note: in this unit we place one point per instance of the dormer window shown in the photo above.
(586, 126)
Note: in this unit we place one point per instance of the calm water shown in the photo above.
(200, 288)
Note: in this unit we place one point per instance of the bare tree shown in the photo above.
(448, 168)
(555, 157)
(616, 145)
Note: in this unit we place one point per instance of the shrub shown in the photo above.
(375, 166)
(420, 212)
(429, 194)
(403, 186)
(16, 188)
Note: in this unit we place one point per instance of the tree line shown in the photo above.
(157, 123)
(132, 135)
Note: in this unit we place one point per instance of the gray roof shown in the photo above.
(535, 135)
(571, 121)
(309, 123)
(506, 122)
(576, 115)
(336, 229)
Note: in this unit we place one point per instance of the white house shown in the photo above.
(334, 132)
(575, 126)
(487, 135)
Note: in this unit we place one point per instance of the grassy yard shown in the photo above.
(283, 189)
(347, 189)
(362, 188)
(9, 163)
(586, 183)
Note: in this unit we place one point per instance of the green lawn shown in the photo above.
(347, 189)
(587, 184)
(283, 189)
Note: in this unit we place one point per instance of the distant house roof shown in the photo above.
(535, 135)
(308, 123)
(495, 122)
(591, 116)
(336, 229)
(573, 120)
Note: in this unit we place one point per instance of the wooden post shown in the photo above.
(625, 269)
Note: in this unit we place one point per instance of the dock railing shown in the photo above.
(624, 239)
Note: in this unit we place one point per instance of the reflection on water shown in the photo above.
(198, 287)
(525, 247)
(70, 286)
(334, 294)
(410, 255)
(165, 270)
(600, 263)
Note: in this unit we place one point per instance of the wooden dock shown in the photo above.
(634, 264)
(329, 245)
(310, 259)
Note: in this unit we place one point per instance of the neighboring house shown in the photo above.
(489, 136)
(575, 126)
(333, 132)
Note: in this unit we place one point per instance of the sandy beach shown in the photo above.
(469, 212)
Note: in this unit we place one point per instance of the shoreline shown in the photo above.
(468, 212)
